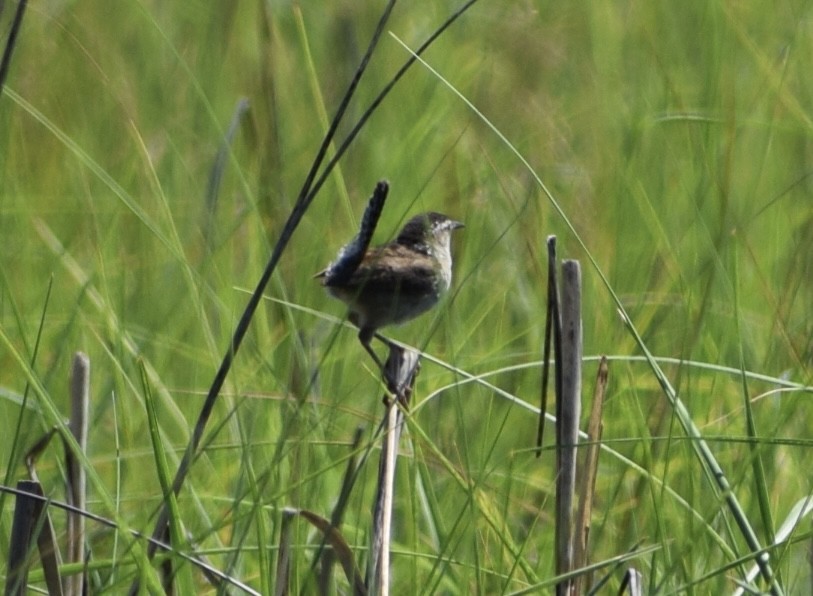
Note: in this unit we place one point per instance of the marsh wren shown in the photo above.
(396, 282)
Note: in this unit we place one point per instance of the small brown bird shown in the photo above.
(398, 281)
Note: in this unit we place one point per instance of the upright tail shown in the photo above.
(351, 255)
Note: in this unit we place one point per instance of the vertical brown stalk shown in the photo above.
(568, 412)
(77, 480)
(587, 477)
(400, 371)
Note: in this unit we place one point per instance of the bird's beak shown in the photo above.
(457, 224)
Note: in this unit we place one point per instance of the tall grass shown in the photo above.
(675, 138)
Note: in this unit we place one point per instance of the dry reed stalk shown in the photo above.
(587, 478)
(568, 411)
(76, 477)
(400, 371)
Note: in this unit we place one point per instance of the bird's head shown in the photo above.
(428, 230)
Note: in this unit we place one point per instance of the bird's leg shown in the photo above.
(365, 337)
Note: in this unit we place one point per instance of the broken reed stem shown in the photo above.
(32, 524)
(383, 510)
(567, 419)
(26, 515)
(283, 568)
(553, 335)
(400, 372)
(587, 478)
(77, 479)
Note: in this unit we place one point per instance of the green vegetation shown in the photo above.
(675, 139)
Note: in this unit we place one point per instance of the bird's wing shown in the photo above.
(393, 268)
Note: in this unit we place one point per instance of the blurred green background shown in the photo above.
(674, 137)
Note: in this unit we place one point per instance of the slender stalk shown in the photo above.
(5, 61)
(587, 478)
(553, 328)
(401, 368)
